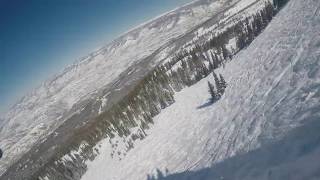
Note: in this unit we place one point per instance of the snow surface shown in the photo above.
(273, 91)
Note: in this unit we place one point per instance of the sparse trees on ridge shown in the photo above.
(220, 86)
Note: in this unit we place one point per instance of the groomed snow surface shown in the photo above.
(266, 125)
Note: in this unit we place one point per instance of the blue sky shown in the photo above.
(38, 38)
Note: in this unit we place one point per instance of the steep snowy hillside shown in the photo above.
(265, 126)
(66, 95)
(116, 100)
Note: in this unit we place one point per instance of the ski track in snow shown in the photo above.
(273, 90)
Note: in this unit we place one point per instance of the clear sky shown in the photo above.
(38, 38)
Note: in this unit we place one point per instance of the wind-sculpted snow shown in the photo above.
(263, 127)
(40, 112)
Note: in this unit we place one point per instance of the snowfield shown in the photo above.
(266, 125)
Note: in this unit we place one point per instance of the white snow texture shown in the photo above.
(264, 127)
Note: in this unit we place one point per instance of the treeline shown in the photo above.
(131, 116)
(189, 66)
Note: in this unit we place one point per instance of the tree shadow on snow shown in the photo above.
(208, 103)
(295, 157)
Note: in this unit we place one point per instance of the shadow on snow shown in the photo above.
(208, 103)
(295, 157)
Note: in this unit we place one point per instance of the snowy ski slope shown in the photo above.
(266, 126)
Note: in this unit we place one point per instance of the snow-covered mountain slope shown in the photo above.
(64, 152)
(264, 127)
(47, 107)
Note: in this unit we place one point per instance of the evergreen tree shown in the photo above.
(241, 41)
(258, 25)
(279, 3)
(218, 86)
(250, 33)
(270, 11)
(225, 52)
(212, 92)
(211, 67)
(217, 61)
(223, 84)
